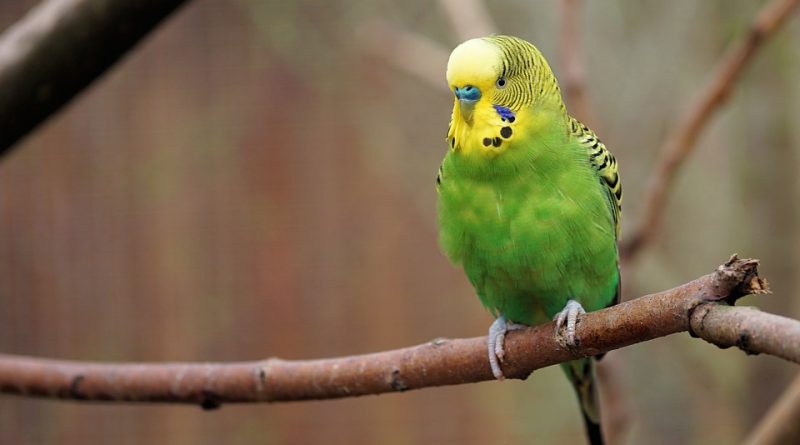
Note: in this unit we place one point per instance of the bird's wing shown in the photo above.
(604, 164)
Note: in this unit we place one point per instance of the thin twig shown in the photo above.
(469, 18)
(615, 409)
(683, 137)
(59, 48)
(573, 79)
(416, 55)
(693, 306)
(780, 425)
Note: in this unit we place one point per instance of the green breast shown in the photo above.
(531, 231)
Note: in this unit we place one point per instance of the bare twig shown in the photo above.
(749, 329)
(693, 306)
(780, 425)
(574, 76)
(469, 18)
(416, 55)
(683, 137)
(59, 48)
(615, 408)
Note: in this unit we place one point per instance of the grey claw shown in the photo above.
(497, 337)
(566, 320)
(497, 333)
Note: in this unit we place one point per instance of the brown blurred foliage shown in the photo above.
(252, 182)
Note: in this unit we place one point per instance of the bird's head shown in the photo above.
(493, 79)
(499, 70)
(474, 73)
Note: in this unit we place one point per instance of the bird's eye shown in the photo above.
(501, 82)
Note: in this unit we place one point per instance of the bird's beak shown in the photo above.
(467, 97)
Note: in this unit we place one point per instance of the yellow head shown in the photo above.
(474, 69)
(494, 79)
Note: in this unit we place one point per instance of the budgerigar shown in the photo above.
(529, 201)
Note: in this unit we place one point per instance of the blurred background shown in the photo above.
(257, 179)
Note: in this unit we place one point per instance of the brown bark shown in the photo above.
(748, 329)
(695, 307)
(59, 48)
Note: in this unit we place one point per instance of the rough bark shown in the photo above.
(698, 306)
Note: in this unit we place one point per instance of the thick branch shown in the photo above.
(693, 306)
(683, 137)
(748, 329)
(59, 48)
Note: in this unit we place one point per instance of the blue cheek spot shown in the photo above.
(505, 113)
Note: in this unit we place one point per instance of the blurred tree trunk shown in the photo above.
(59, 48)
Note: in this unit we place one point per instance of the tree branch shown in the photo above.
(693, 306)
(780, 425)
(413, 53)
(59, 48)
(574, 79)
(418, 55)
(468, 18)
(682, 140)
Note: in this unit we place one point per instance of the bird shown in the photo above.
(529, 202)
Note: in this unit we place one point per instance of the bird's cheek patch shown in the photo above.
(495, 142)
(507, 119)
(497, 133)
(506, 115)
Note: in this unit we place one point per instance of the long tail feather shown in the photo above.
(593, 431)
(582, 376)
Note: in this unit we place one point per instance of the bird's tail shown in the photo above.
(581, 374)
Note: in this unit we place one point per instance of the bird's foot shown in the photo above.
(565, 324)
(497, 335)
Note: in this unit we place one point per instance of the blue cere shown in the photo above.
(468, 93)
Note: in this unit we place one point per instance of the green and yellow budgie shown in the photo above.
(529, 201)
